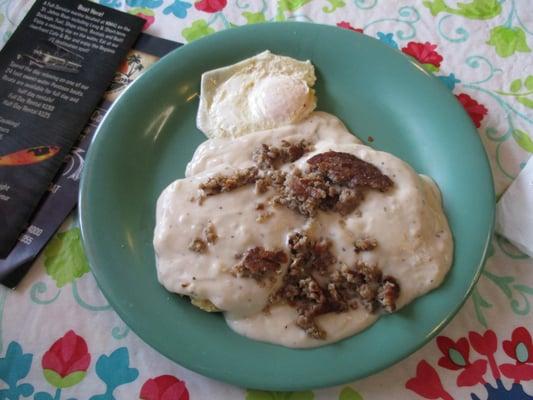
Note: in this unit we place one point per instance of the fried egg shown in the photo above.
(262, 92)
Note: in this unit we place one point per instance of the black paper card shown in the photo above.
(62, 195)
(53, 71)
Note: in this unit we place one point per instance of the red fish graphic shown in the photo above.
(32, 155)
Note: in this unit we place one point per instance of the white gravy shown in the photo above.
(414, 241)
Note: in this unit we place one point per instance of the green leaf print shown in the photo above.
(280, 15)
(334, 4)
(262, 395)
(513, 291)
(476, 9)
(291, 5)
(516, 91)
(139, 10)
(63, 382)
(479, 304)
(523, 140)
(430, 68)
(301, 396)
(254, 18)
(516, 85)
(198, 29)
(507, 41)
(349, 394)
(64, 258)
(529, 82)
(525, 101)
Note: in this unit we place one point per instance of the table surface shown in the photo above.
(57, 323)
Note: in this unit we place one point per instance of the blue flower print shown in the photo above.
(449, 81)
(179, 9)
(144, 3)
(388, 39)
(111, 3)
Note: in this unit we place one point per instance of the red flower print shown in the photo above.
(210, 6)
(520, 348)
(424, 53)
(519, 336)
(149, 20)
(456, 356)
(473, 374)
(347, 25)
(66, 362)
(145, 13)
(476, 110)
(486, 345)
(427, 383)
(164, 387)
(461, 351)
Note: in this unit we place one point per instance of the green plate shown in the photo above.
(149, 136)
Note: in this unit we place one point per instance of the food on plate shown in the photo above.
(258, 93)
(299, 233)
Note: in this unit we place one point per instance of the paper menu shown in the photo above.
(62, 195)
(53, 72)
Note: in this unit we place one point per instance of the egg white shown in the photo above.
(262, 92)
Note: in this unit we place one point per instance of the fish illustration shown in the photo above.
(32, 155)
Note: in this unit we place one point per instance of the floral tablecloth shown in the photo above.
(60, 339)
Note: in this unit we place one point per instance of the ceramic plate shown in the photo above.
(149, 136)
